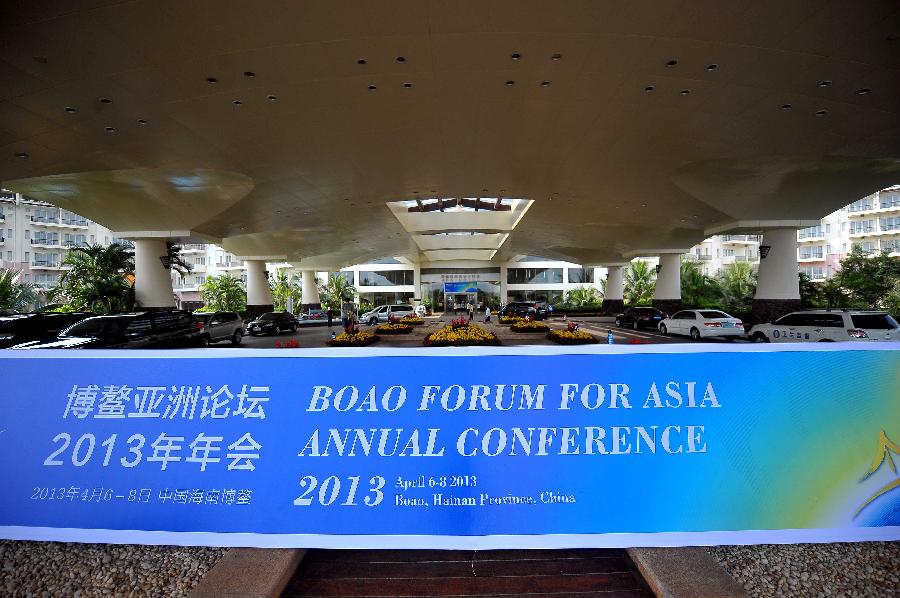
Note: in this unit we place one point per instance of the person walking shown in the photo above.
(330, 313)
(487, 314)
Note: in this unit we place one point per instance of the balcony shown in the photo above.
(890, 227)
(49, 242)
(740, 239)
(858, 231)
(75, 222)
(700, 257)
(193, 248)
(744, 258)
(807, 235)
(811, 257)
(860, 209)
(230, 265)
(47, 265)
(45, 220)
(45, 285)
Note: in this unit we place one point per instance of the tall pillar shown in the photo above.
(259, 295)
(614, 294)
(504, 274)
(667, 294)
(778, 287)
(417, 284)
(310, 297)
(152, 280)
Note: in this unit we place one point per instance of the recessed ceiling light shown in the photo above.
(237, 103)
(109, 129)
(556, 57)
(105, 101)
(372, 88)
(515, 56)
(863, 91)
(685, 92)
(786, 106)
(21, 155)
(545, 83)
(70, 109)
(407, 85)
(821, 112)
(649, 88)
(361, 61)
(643, 205)
(40, 59)
(346, 199)
(271, 98)
(142, 121)
(400, 59)
(671, 63)
(712, 67)
(510, 83)
(249, 74)
(212, 80)
(825, 83)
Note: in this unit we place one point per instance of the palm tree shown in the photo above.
(639, 282)
(285, 286)
(15, 295)
(697, 289)
(100, 279)
(738, 284)
(586, 296)
(224, 293)
(335, 290)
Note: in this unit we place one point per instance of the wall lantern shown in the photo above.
(658, 268)
(764, 251)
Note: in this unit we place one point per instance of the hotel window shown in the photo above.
(890, 201)
(385, 278)
(581, 275)
(892, 223)
(534, 276)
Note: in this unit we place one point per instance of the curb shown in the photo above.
(689, 572)
(250, 573)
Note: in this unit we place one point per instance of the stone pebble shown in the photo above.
(840, 569)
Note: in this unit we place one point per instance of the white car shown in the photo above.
(702, 323)
(824, 325)
(385, 312)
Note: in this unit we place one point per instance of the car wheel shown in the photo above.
(634, 325)
(204, 341)
(663, 330)
(695, 334)
(293, 328)
(236, 337)
(373, 321)
(825, 340)
(618, 322)
(759, 337)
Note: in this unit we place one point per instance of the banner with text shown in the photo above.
(452, 448)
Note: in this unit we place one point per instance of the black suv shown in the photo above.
(523, 309)
(136, 330)
(640, 317)
(272, 323)
(22, 328)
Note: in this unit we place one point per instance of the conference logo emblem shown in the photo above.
(880, 511)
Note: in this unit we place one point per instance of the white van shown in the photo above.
(828, 325)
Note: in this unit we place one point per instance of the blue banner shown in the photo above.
(460, 287)
(451, 448)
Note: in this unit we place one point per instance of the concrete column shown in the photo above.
(667, 294)
(259, 295)
(778, 287)
(310, 288)
(152, 280)
(504, 273)
(613, 296)
(417, 284)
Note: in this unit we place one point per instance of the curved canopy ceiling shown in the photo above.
(630, 125)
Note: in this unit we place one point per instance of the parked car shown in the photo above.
(22, 328)
(420, 311)
(272, 323)
(136, 330)
(703, 323)
(640, 317)
(523, 309)
(824, 325)
(383, 313)
(314, 317)
(221, 326)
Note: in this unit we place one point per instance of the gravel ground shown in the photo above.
(70, 569)
(851, 569)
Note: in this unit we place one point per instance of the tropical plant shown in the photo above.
(866, 279)
(639, 283)
(286, 289)
(176, 261)
(100, 279)
(737, 284)
(586, 296)
(15, 295)
(697, 289)
(224, 293)
(335, 290)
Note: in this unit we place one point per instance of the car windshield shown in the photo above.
(266, 317)
(204, 317)
(714, 314)
(98, 327)
(874, 321)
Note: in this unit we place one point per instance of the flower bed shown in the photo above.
(412, 320)
(529, 326)
(400, 327)
(461, 333)
(353, 337)
(571, 337)
(510, 319)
